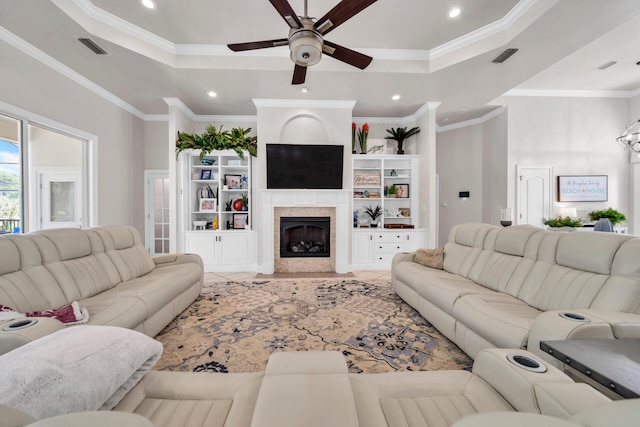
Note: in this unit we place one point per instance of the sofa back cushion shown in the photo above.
(622, 290)
(572, 270)
(30, 286)
(123, 246)
(465, 244)
(502, 265)
(69, 256)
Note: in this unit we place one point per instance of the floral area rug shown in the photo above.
(235, 326)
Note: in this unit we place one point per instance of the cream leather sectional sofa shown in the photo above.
(314, 389)
(106, 269)
(513, 287)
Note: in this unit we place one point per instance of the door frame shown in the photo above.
(148, 205)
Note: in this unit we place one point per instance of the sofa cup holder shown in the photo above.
(527, 363)
(20, 324)
(573, 316)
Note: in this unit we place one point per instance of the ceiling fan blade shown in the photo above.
(347, 55)
(299, 74)
(286, 11)
(239, 47)
(343, 11)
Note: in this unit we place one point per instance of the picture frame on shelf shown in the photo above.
(240, 221)
(233, 181)
(205, 174)
(405, 212)
(366, 179)
(206, 205)
(403, 191)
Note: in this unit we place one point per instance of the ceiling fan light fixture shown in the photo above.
(306, 48)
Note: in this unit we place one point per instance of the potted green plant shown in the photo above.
(392, 191)
(613, 215)
(563, 223)
(236, 139)
(374, 214)
(400, 134)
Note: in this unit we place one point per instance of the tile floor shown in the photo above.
(240, 276)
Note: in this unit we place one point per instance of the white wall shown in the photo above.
(576, 136)
(32, 86)
(459, 164)
(494, 167)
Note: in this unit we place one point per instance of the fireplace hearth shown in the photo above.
(305, 237)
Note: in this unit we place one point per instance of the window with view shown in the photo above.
(9, 186)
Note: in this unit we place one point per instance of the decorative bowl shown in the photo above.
(207, 161)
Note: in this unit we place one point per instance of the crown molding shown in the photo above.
(175, 102)
(55, 65)
(480, 120)
(573, 93)
(303, 103)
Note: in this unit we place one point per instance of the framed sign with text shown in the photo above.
(582, 188)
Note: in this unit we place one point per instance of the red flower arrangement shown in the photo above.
(363, 134)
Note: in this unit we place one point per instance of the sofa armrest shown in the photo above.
(538, 389)
(13, 338)
(170, 259)
(580, 324)
(402, 257)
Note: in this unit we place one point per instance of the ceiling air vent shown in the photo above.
(504, 56)
(92, 45)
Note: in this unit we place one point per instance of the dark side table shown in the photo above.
(613, 364)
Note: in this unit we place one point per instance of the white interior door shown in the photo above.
(60, 201)
(533, 195)
(157, 211)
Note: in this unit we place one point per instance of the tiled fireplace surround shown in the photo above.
(331, 203)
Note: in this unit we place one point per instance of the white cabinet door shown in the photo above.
(362, 248)
(235, 248)
(416, 239)
(203, 244)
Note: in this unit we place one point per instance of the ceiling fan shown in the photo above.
(306, 37)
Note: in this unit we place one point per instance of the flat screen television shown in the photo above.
(295, 166)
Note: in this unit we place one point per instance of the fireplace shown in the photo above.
(305, 237)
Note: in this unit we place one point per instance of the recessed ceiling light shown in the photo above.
(455, 12)
(395, 97)
(149, 4)
(305, 89)
(212, 94)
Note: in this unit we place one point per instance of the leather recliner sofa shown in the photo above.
(516, 286)
(105, 269)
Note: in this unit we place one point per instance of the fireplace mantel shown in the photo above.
(271, 199)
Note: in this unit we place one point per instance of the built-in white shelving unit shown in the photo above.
(375, 177)
(217, 223)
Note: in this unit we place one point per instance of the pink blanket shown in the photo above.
(71, 313)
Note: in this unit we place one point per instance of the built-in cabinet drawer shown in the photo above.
(375, 249)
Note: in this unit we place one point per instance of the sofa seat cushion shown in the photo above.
(161, 286)
(112, 308)
(194, 399)
(429, 399)
(437, 286)
(499, 318)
